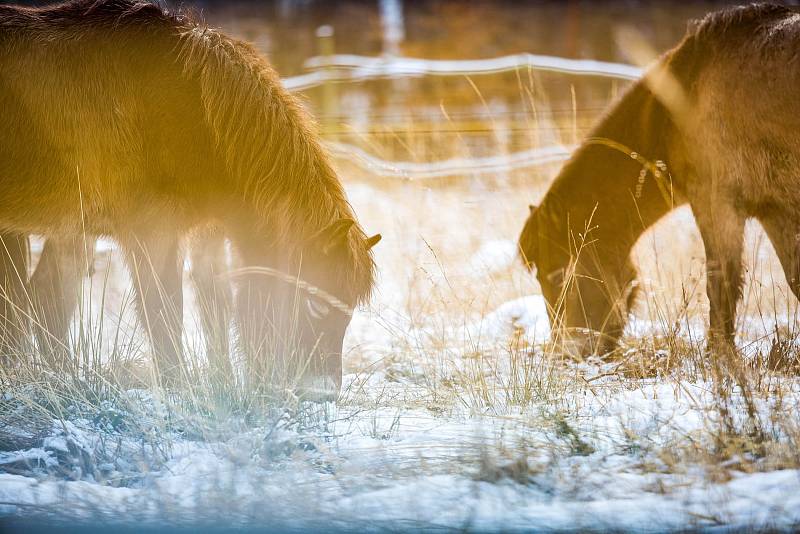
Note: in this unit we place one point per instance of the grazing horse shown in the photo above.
(714, 123)
(122, 119)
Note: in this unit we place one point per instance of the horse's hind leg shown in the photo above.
(207, 251)
(784, 232)
(156, 267)
(55, 288)
(14, 300)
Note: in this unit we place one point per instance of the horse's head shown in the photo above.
(308, 309)
(326, 304)
(587, 299)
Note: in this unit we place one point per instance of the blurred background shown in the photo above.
(427, 115)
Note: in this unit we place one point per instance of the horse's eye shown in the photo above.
(317, 308)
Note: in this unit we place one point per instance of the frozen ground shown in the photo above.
(453, 418)
(396, 463)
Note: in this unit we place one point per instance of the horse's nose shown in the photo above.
(575, 347)
(578, 344)
(318, 389)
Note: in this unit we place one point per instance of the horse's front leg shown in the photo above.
(722, 230)
(214, 296)
(14, 300)
(156, 267)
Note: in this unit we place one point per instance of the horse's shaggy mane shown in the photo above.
(263, 135)
(738, 22)
(268, 143)
(762, 27)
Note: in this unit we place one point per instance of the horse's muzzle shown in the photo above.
(580, 343)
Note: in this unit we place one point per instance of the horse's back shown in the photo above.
(91, 99)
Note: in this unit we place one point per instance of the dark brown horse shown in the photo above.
(715, 123)
(121, 119)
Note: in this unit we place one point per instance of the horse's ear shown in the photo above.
(334, 235)
(372, 241)
(532, 207)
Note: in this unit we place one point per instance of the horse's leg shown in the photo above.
(214, 297)
(14, 253)
(55, 287)
(156, 267)
(784, 232)
(722, 230)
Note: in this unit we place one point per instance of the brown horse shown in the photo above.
(714, 123)
(124, 120)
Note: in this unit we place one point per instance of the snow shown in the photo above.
(528, 314)
(408, 170)
(351, 67)
(493, 256)
(413, 468)
(35, 455)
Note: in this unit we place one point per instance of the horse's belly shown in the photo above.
(43, 194)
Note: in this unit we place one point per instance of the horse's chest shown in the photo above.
(769, 174)
(750, 170)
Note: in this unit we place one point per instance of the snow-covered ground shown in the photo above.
(600, 467)
(454, 417)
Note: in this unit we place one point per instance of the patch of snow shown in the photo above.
(525, 315)
(31, 456)
(493, 256)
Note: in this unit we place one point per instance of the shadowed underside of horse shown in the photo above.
(121, 119)
(715, 123)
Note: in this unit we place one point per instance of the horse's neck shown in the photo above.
(604, 188)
